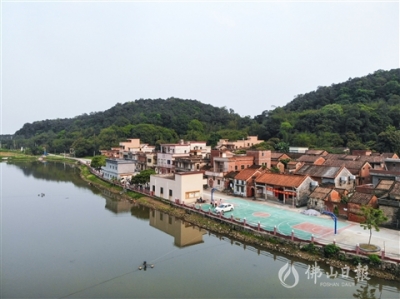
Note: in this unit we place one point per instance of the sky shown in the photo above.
(61, 59)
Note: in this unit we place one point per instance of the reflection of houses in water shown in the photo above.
(184, 233)
(118, 206)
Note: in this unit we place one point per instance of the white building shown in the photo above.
(118, 169)
(185, 186)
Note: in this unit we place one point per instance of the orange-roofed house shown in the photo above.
(284, 188)
(244, 182)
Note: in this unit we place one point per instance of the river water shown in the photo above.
(61, 238)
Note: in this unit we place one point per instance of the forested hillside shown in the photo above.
(359, 113)
(153, 121)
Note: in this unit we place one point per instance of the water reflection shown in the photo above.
(118, 206)
(184, 233)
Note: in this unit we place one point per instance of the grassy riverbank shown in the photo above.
(328, 254)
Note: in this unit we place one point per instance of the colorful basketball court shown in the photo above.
(285, 219)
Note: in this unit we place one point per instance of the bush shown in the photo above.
(331, 250)
(356, 260)
(309, 248)
(374, 259)
(342, 257)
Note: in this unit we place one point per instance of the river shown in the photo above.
(62, 238)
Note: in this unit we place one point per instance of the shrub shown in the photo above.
(309, 248)
(374, 259)
(356, 260)
(342, 257)
(330, 250)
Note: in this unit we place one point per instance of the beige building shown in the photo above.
(244, 143)
(185, 186)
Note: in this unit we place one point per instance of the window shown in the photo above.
(161, 190)
(219, 182)
(161, 216)
(170, 219)
(170, 192)
(148, 160)
(168, 162)
(235, 167)
(242, 167)
(154, 188)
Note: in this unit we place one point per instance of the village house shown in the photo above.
(388, 193)
(260, 158)
(111, 153)
(192, 163)
(118, 169)
(311, 159)
(169, 152)
(360, 169)
(239, 144)
(377, 160)
(356, 201)
(284, 188)
(327, 199)
(329, 176)
(184, 186)
(277, 166)
(244, 182)
(314, 152)
(298, 149)
(224, 164)
(389, 171)
(131, 146)
(224, 161)
(292, 166)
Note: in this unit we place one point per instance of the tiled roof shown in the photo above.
(384, 185)
(321, 171)
(361, 198)
(308, 158)
(246, 174)
(315, 152)
(334, 156)
(372, 159)
(285, 180)
(276, 156)
(231, 174)
(353, 166)
(320, 193)
(395, 191)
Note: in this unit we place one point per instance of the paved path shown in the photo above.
(347, 237)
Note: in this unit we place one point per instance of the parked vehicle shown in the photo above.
(224, 207)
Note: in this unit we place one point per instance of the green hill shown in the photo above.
(359, 113)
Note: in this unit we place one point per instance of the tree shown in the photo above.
(98, 161)
(143, 177)
(372, 219)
